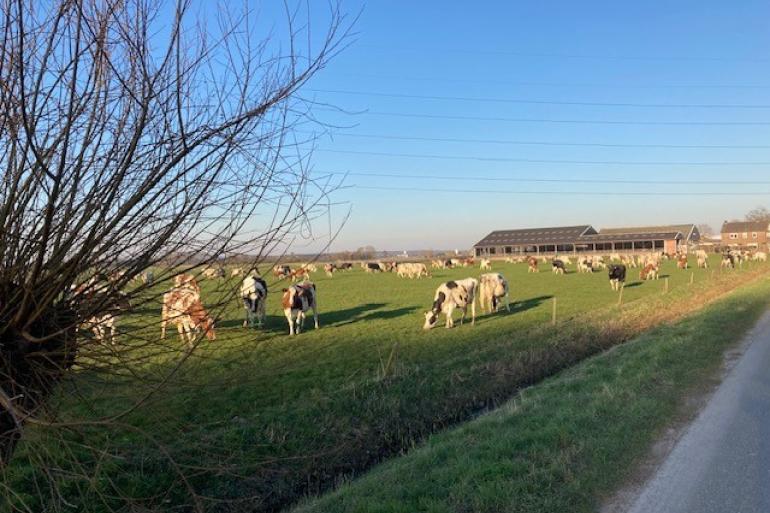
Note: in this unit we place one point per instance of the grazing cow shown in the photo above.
(760, 256)
(300, 273)
(236, 271)
(281, 271)
(585, 265)
(437, 264)
(329, 269)
(557, 266)
(296, 301)
(311, 268)
(254, 297)
(649, 272)
(681, 262)
(728, 260)
(373, 267)
(345, 266)
(183, 307)
(451, 295)
(617, 274)
(412, 270)
(532, 261)
(102, 302)
(565, 259)
(615, 257)
(492, 289)
(485, 264)
(213, 272)
(703, 261)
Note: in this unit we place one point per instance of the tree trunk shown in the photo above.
(30, 370)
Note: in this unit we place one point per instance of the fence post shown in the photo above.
(553, 313)
(665, 288)
(620, 296)
(692, 277)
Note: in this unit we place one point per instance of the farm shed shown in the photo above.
(747, 235)
(585, 239)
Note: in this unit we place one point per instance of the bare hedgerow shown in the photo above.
(134, 134)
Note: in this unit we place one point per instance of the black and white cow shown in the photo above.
(373, 267)
(557, 266)
(617, 273)
(254, 297)
(451, 295)
(296, 301)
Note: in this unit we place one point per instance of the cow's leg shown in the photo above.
(287, 313)
(300, 321)
(260, 312)
(473, 313)
(247, 322)
(315, 315)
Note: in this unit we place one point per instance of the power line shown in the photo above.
(554, 180)
(541, 161)
(556, 193)
(546, 143)
(544, 102)
(555, 121)
(556, 84)
(539, 55)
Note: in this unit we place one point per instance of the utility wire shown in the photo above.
(544, 143)
(555, 84)
(544, 102)
(556, 193)
(542, 161)
(554, 180)
(552, 121)
(539, 55)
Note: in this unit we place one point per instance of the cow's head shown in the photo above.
(431, 318)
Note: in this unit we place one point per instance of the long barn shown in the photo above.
(586, 239)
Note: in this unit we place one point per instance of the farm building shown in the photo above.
(586, 239)
(749, 235)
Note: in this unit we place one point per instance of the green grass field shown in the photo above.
(567, 443)
(257, 419)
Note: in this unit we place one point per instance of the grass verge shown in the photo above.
(563, 444)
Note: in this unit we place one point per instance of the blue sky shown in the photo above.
(492, 57)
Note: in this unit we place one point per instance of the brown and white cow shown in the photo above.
(183, 307)
(649, 272)
(329, 270)
(681, 261)
(296, 301)
(532, 262)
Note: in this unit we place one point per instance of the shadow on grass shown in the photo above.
(528, 304)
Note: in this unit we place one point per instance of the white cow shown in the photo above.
(451, 295)
(485, 264)
(493, 287)
(254, 297)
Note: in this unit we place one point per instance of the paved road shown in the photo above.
(722, 462)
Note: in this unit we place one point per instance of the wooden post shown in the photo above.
(620, 296)
(665, 290)
(692, 277)
(553, 314)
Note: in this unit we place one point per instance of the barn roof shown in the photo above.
(685, 229)
(631, 236)
(744, 226)
(554, 235)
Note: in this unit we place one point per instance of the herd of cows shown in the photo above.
(183, 306)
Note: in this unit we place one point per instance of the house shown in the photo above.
(746, 234)
(584, 238)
